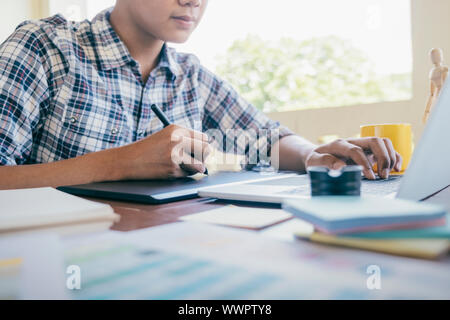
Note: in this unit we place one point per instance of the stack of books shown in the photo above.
(47, 209)
(394, 226)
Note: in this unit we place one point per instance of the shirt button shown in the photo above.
(73, 119)
(114, 131)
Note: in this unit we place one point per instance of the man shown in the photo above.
(75, 103)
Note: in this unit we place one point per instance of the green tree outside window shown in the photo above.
(322, 72)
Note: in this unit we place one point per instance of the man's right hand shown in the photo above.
(172, 152)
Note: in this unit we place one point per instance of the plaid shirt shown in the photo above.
(67, 89)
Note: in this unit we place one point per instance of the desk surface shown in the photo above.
(137, 216)
(346, 266)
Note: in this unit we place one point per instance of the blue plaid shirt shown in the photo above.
(67, 89)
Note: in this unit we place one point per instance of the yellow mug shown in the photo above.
(399, 133)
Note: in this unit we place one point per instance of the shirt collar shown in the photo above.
(167, 60)
(112, 52)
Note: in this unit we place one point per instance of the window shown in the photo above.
(297, 54)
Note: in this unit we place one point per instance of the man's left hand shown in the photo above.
(360, 151)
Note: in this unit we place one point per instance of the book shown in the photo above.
(440, 232)
(30, 210)
(347, 214)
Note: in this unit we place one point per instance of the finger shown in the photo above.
(174, 170)
(359, 157)
(178, 173)
(391, 151)
(343, 148)
(371, 158)
(196, 148)
(399, 162)
(179, 155)
(192, 165)
(378, 148)
(327, 160)
(191, 169)
(185, 164)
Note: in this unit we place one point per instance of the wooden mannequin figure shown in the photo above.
(437, 76)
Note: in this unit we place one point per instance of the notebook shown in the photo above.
(27, 210)
(440, 232)
(347, 214)
(416, 248)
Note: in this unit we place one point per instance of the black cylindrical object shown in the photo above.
(327, 182)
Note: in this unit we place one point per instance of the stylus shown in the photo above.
(161, 116)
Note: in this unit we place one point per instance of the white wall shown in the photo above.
(12, 13)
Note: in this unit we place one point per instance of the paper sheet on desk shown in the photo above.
(243, 217)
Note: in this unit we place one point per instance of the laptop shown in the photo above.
(427, 174)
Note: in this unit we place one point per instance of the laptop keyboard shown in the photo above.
(380, 186)
(301, 191)
(368, 187)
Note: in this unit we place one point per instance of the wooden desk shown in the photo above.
(137, 216)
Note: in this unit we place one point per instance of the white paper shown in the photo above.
(287, 230)
(244, 217)
(45, 206)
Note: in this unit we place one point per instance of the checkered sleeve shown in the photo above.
(242, 128)
(23, 93)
